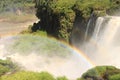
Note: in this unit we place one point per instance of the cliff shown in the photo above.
(58, 17)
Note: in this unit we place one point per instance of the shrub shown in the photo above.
(115, 77)
(102, 72)
(62, 78)
(26, 75)
(7, 66)
(58, 16)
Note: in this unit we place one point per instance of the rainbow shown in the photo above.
(78, 51)
(84, 56)
(82, 59)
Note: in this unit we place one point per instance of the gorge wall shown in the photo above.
(62, 18)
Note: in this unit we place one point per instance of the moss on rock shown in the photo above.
(58, 16)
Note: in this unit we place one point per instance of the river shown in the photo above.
(8, 28)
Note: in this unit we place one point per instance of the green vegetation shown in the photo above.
(38, 32)
(27, 75)
(115, 77)
(15, 5)
(62, 78)
(27, 43)
(86, 7)
(7, 66)
(57, 17)
(102, 72)
(17, 10)
(8, 72)
(98, 7)
(24, 75)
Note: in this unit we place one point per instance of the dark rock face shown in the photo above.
(70, 18)
(83, 29)
(56, 22)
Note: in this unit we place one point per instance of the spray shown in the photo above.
(104, 46)
(35, 53)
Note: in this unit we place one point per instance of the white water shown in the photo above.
(98, 26)
(102, 49)
(22, 50)
(104, 46)
(88, 26)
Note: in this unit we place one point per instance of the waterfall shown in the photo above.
(104, 46)
(88, 26)
(97, 28)
(106, 29)
(112, 29)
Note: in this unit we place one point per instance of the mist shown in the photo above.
(103, 47)
(33, 53)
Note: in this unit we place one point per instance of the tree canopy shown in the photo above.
(58, 16)
(12, 5)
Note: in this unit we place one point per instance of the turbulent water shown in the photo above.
(36, 53)
(104, 46)
(45, 54)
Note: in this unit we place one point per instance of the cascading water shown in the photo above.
(88, 26)
(98, 26)
(104, 46)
